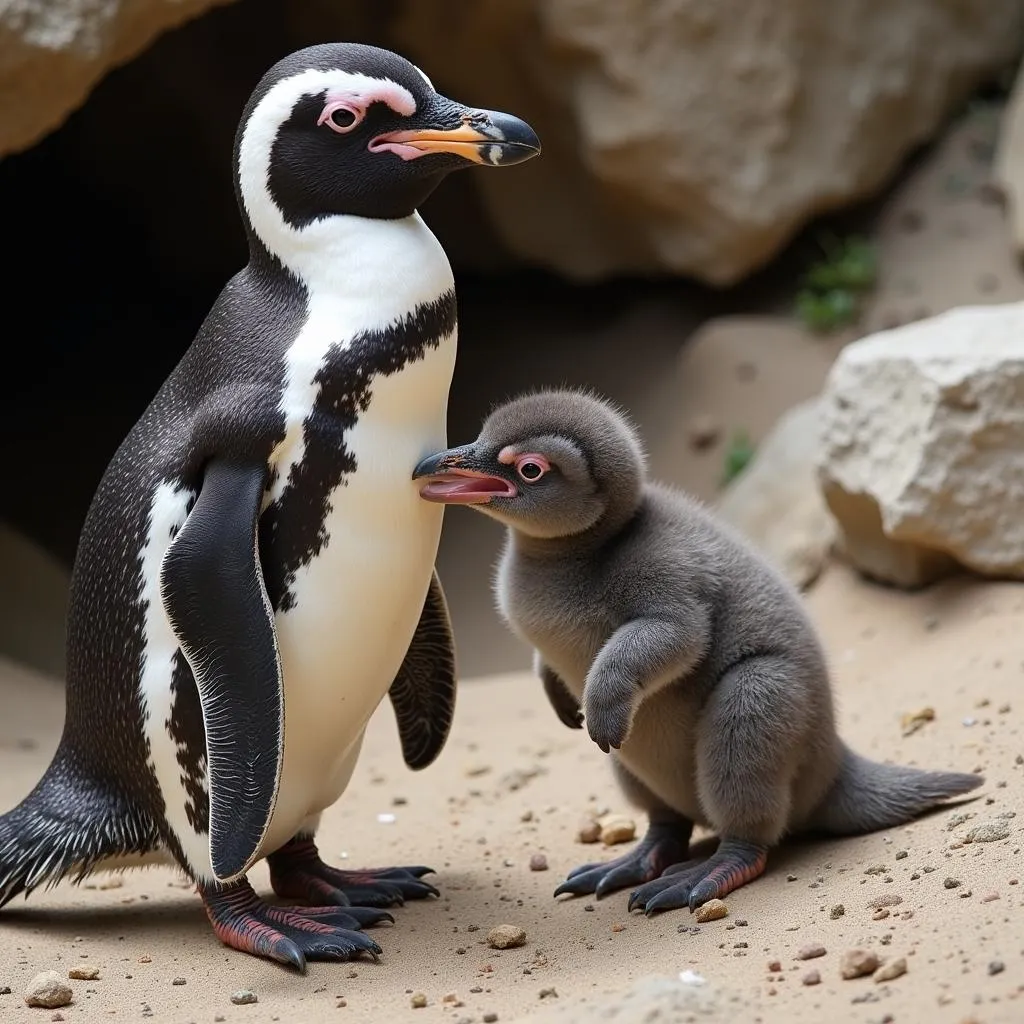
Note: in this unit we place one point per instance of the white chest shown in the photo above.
(357, 602)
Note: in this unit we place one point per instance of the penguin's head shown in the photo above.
(549, 464)
(343, 128)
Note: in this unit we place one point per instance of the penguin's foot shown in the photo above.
(298, 873)
(664, 844)
(692, 883)
(290, 935)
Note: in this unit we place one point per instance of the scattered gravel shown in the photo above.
(506, 936)
(49, 990)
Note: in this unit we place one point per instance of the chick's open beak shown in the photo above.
(456, 477)
(487, 137)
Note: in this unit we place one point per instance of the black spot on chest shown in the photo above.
(293, 530)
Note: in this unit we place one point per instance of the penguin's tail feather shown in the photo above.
(867, 795)
(67, 827)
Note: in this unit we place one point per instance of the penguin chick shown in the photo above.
(693, 660)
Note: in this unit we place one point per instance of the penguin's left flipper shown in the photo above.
(423, 693)
(213, 591)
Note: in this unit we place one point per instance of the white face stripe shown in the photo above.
(423, 75)
(261, 130)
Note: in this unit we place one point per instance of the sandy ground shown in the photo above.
(955, 648)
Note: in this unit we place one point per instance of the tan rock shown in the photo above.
(53, 52)
(697, 137)
(49, 990)
(713, 910)
(617, 828)
(506, 936)
(855, 963)
(776, 501)
(921, 431)
(892, 970)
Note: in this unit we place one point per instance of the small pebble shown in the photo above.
(902, 854)
(84, 973)
(506, 936)
(243, 997)
(179, 981)
(740, 922)
(490, 1018)
(989, 897)
(855, 963)
(892, 970)
(548, 993)
(49, 990)
(952, 883)
(811, 978)
(889, 900)
(989, 832)
(418, 1000)
(837, 912)
(880, 914)
(526, 816)
(588, 832)
(811, 951)
(538, 862)
(5, 990)
(996, 967)
(774, 966)
(617, 829)
(713, 910)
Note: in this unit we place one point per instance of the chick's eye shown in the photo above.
(532, 467)
(340, 117)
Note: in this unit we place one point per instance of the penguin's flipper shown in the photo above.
(423, 693)
(566, 706)
(213, 591)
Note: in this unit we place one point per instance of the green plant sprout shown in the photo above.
(738, 453)
(831, 288)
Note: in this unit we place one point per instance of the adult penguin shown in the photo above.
(256, 569)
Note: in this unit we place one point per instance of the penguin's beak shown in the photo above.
(457, 477)
(486, 137)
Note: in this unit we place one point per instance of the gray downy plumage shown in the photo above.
(691, 658)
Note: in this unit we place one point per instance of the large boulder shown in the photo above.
(52, 53)
(922, 447)
(697, 136)
(776, 501)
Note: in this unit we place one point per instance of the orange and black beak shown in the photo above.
(458, 477)
(486, 137)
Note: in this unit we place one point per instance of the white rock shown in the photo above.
(49, 990)
(922, 446)
(776, 501)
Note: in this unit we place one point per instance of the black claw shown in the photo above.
(287, 952)
(366, 916)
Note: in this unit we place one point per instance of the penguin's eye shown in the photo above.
(532, 467)
(340, 117)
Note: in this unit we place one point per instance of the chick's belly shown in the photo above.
(661, 753)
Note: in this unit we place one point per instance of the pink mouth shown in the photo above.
(464, 487)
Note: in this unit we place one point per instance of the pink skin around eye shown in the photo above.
(537, 460)
(326, 116)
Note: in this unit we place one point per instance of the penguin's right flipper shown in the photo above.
(215, 597)
(423, 693)
(566, 706)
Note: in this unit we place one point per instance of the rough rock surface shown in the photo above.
(696, 136)
(922, 454)
(776, 501)
(52, 52)
(1008, 167)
